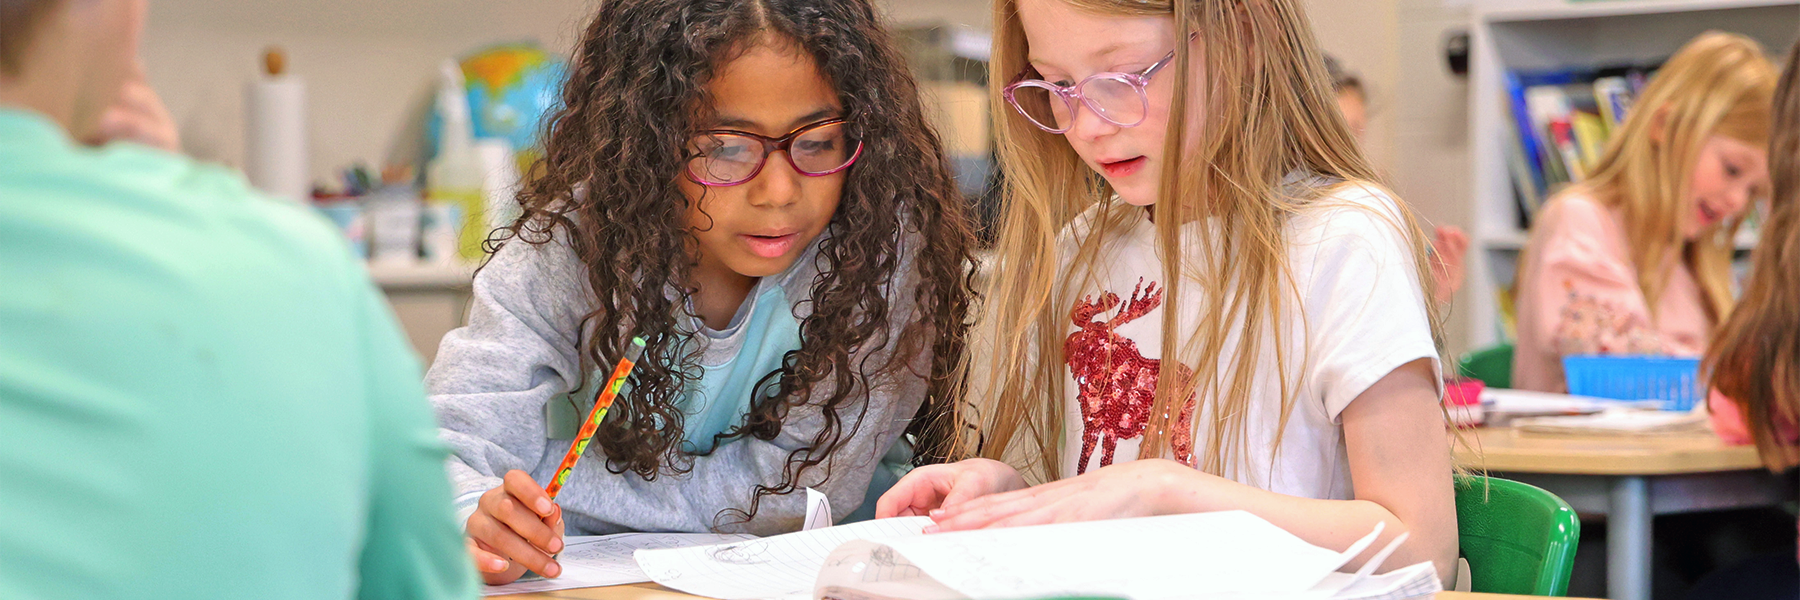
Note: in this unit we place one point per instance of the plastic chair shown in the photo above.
(1518, 538)
(1492, 365)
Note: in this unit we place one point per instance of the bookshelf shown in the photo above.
(1527, 35)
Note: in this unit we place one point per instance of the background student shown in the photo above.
(201, 393)
(1636, 259)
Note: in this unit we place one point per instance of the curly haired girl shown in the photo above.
(753, 189)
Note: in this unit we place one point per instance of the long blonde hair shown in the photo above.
(1718, 83)
(1268, 112)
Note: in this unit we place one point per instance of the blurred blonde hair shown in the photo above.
(1269, 111)
(1718, 83)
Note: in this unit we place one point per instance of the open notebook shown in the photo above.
(1226, 555)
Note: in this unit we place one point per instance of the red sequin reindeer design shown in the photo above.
(1116, 384)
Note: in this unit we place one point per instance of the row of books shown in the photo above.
(1562, 120)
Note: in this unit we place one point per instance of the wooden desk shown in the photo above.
(1630, 479)
(651, 591)
(1507, 449)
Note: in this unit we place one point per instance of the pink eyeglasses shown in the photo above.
(1117, 97)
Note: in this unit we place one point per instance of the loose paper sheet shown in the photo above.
(1617, 421)
(781, 566)
(818, 510)
(1177, 556)
(593, 561)
(1225, 555)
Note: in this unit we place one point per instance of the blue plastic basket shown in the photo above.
(1673, 381)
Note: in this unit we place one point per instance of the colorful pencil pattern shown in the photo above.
(602, 401)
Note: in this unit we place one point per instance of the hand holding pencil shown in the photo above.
(518, 525)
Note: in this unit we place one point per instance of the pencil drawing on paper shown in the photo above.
(753, 552)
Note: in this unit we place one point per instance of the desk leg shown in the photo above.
(1628, 539)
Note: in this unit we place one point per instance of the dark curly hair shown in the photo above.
(636, 93)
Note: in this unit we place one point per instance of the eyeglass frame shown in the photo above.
(1069, 94)
(769, 145)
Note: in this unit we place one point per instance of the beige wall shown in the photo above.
(368, 63)
(1431, 148)
(1418, 111)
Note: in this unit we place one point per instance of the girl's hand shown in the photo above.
(138, 115)
(515, 527)
(1451, 247)
(1139, 488)
(932, 487)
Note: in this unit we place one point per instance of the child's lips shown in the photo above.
(770, 246)
(1708, 216)
(1122, 168)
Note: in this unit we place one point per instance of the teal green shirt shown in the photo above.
(201, 393)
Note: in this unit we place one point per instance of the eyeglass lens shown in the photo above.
(725, 158)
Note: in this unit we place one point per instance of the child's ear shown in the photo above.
(1659, 125)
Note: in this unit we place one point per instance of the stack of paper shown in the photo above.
(1617, 421)
(1225, 555)
(1526, 402)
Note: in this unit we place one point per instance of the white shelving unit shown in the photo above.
(1547, 34)
(422, 276)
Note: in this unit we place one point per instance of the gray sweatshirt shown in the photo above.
(501, 388)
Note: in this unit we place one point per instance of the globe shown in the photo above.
(512, 88)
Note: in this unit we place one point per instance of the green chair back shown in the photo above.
(1518, 538)
(1492, 365)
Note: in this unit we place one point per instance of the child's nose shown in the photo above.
(1735, 200)
(1090, 126)
(777, 185)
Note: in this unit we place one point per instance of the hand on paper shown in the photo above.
(515, 527)
(138, 115)
(1132, 489)
(932, 487)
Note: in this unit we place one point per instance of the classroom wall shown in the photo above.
(366, 63)
(369, 63)
(1431, 147)
(1418, 110)
(1360, 34)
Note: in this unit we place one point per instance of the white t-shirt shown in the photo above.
(1361, 315)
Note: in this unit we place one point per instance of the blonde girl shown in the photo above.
(1189, 154)
(1637, 258)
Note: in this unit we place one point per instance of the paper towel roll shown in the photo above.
(500, 182)
(275, 137)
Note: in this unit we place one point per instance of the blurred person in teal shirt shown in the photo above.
(201, 393)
